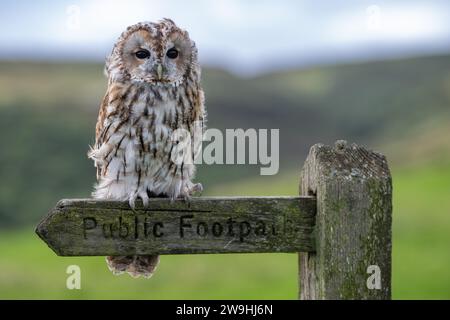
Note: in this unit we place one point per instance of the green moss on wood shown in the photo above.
(209, 225)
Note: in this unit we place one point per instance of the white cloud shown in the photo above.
(389, 24)
(240, 34)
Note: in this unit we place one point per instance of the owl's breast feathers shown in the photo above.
(134, 139)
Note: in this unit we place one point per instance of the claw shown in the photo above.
(197, 188)
(145, 199)
(186, 198)
(132, 201)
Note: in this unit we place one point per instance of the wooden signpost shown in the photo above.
(203, 225)
(340, 225)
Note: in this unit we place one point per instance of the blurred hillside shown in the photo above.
(48, 114)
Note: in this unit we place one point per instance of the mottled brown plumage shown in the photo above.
(150, 123)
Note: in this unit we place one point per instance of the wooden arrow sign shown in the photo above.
(89, 227)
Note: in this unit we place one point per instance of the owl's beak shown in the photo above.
(159, 71)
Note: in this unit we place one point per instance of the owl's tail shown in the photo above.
(135, 266)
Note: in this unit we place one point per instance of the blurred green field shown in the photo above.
(399, 107)
(421, 255)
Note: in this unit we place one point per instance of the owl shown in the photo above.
(149, 124)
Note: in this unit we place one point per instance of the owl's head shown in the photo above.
(156, 53)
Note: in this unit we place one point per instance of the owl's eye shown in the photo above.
(142, 54)
(172, 53)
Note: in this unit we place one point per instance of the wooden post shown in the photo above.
(353, 190)
(341, 224)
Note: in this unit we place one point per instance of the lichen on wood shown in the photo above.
(89, 227)
(353, 189)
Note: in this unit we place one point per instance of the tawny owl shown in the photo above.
(153, 94)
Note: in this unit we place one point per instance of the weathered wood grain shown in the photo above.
(353, 226)
(88, 227)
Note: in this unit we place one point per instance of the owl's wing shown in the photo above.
(199, 125)
(100, 129)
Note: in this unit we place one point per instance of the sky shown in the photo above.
(244, 36)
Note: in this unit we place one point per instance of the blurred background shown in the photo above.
(372, 72)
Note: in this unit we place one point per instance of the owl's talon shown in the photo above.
(186, 198)
(144, 198)
(197, 188)
(132, 202)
